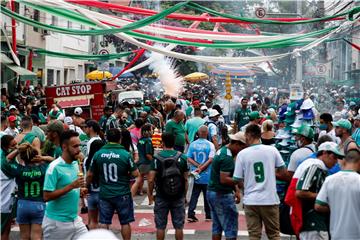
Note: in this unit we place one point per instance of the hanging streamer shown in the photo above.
(103, 57)
(178, 16)
(352, 44)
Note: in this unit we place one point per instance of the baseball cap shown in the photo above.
(98, 234)
(11, 118)
(203, 108)
(305, 131)
(146, 109)
(12, 107)
(78, 111)
(239, 136)
(308, 114)
(254, 115)
(132, 102)
(213, 113)
(332, 147)
(56, 126)
(343, 123)
(307, 104)
(68, 120)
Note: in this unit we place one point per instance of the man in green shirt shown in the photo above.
(192, 125)
(112, 164)
(62, 192)
(165, 202)
(52, 144)
(176, 127)
(242, 115)
(222, 187)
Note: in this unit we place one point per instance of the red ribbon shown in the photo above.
(178, 16)
(133, 61)
(353, 45)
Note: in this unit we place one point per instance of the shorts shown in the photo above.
(53, 229)
(93, 201)
(176, 208)
(30, 212)
(144, 168)
(223, 213)
(123, 205)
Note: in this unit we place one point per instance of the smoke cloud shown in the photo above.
(170, 79)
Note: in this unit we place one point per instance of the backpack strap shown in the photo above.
(161, 158)
(346, 145)
(309, 149)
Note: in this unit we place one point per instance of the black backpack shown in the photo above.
(170, 182)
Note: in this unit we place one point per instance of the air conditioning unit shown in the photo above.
(45, 33)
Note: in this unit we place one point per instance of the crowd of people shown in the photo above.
(294, 166)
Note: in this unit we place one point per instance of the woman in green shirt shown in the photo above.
(30, 180)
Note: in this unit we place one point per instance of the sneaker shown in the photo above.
(192, 219)
(208, 219)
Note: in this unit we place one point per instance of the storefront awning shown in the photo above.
(23, 73)
(77, 101)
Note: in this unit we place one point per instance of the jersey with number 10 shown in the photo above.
(256, 166)
(113, 165)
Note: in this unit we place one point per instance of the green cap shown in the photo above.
(343, 123)
(291, 108)
(304, 130)
(146, 109)
(55, 126)
(254, 115)
(331, 147)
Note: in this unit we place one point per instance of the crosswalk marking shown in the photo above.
(186, 231)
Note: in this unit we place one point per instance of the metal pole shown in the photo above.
(13, 27)
(299, 67)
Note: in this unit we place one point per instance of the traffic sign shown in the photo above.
(103, 52)
(260, 12)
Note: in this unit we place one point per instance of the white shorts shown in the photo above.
(53, 229)
(318, 235)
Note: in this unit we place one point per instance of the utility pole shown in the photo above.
(299, 66)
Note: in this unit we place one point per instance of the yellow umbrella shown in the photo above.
(98, 75)
(196, 77)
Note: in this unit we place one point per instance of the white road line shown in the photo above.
(186, 231)
(152, 211)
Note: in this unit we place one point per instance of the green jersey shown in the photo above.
(113, 164)
(242, 117)
(50, 149)
(29, 178)
(312, 180)
(58, 175)
(222, 162)
(178, 130)
(145, 147)
(155, 166)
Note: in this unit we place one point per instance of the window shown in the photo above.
(54, 20)
(69, 24)
(80, 75)
(72, 75)
(50, 77)
(17, 7)
(36, 18)
(82, 27)
(58, 77)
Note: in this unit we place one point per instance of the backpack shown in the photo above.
(171, 183)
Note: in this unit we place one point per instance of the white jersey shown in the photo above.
(7, 188)
(299, 155)
(307, 163)
(331, 134)
(341, 192)
(256, 166)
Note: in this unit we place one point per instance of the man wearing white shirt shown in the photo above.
(340, 194)
(255, 166)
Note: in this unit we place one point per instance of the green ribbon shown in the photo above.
(198, 7)
(75, 17)
(287, 42)
(104, 57)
